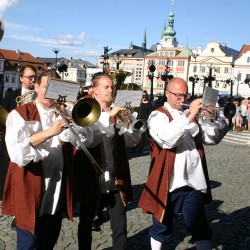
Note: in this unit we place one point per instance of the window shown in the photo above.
(217, 70)
(203, 69)
(181, 63)
(248, 59)
(162, 63)
(138, 74)
(13, 78)
(195, 69)
(159, 85)
(7, 78)
(239, 77)
(226, 70)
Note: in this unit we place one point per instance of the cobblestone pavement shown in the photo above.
(228, 215)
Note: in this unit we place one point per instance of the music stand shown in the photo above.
(62, 90)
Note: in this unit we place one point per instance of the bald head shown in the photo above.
(176, 81)
(176, 92)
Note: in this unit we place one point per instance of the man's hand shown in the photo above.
(194, 109)
(115, 110)
(57, 127)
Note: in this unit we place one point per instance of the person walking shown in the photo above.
(115, 182)
(38, 187)
(178, 180)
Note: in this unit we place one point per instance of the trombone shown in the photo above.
(84, 113)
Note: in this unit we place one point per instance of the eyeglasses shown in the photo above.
(30, 77)
(178, 95)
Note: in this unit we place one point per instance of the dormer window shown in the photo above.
(212, 50)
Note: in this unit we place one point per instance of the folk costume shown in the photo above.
(178, 173)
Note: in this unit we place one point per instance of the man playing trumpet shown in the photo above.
(178, 179)
(115, 182)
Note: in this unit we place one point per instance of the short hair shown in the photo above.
(97, 76)
(27, 66)
(50, 73)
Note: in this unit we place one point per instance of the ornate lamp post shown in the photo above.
(152, 69)
(105, 58)
(56, 51)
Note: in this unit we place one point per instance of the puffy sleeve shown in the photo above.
(89, 136)
(170, 134)
(213, 132)
(17, 139)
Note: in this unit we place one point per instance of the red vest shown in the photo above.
(155, 194)
(24, 185)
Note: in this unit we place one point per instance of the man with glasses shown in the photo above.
(27, 79)
(178, 180)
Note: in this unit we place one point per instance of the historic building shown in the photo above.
(10, 63)
(217, 65)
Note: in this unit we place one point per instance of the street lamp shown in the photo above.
(152, 69)
(105, 58)
(194, 79)
(56, 51)
(231, 85)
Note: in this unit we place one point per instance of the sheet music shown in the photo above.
(210, 96)
(124, 97)
(62, 88)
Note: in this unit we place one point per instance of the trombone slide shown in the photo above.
(80, 143)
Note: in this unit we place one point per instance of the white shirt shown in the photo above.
(179, 133)
(21, 152)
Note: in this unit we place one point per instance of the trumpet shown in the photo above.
(125, 116)
(229, 111)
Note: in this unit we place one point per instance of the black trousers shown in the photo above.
(118, 219)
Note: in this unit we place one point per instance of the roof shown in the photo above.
(229, 52)
(243, 50)
(17, 58)
(136, 52)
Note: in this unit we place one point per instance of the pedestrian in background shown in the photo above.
(178, 180)
(145, 110)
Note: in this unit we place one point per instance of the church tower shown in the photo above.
(168, 38)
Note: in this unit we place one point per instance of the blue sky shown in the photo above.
(81, 28)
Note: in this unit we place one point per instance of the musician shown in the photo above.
(178, 180)
(27, 79)
(115, 182)
(38, 186)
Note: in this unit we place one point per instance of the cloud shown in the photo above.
(66, 40)
(5, 4)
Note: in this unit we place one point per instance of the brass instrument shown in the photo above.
(125, 116)
(20, 100)
(3, 116)
(27, 97)
(84, 113)
(229, 111)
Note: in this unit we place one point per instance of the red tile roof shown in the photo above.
(243, 50)
(18, 58)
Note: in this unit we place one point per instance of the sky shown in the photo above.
(82, 28)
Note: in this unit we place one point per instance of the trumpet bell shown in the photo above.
(140, 126)
(229, 110)
(3, 116)
(86, 112)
